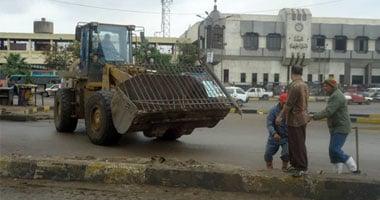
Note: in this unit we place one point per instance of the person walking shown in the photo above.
(295, 110)
(278, 135)
(339, 124)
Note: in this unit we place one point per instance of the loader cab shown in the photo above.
(101, 44)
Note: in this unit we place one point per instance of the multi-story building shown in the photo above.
(32, 46)
(256, 49)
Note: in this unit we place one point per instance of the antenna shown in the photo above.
(165, 14)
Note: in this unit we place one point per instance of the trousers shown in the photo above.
(297, 147)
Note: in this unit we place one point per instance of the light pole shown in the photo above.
(221, 64)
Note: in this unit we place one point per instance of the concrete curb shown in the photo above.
(30, 115)
(355, 118)
(17, 117)
(159, 171)
(38, 109)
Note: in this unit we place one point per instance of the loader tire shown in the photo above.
(64, 113)
(175, 133)
(98, 119)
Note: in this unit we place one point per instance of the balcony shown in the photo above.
(353, 55)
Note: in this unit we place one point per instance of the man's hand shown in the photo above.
(277, 137)
(309, 118)
(278, 120)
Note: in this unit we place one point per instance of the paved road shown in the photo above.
(373, 108)
(235, 140)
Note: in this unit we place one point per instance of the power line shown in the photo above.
(192, 14)
(105, 8)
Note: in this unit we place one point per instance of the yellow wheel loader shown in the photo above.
(116, 97)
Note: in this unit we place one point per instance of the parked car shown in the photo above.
(259, 93)
(347, 96)
(367, 96)
(372, 91)
(376, 96)
(238, 94)
(357, 98)
(52, 90)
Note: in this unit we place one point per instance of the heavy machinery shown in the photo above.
(115, 96)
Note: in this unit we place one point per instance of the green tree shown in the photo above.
(188, 53)
(15, 65)
(61, 57)
(145, 54)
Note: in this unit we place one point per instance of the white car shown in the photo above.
(238, 94)
(52, 90)
(347, 96)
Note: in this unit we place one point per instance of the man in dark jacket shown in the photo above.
(278, 135)
(339, 124)
(295, 110)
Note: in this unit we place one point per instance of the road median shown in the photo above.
(163, 172)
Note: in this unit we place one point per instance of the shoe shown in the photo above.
(290, 169)
(299, 173)
(284, 165)
(269, 165)
(351, 165)
(338, 168)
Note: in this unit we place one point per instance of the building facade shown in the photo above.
(33, 45)
(259, 49)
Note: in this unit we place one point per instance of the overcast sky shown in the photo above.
(18, 15)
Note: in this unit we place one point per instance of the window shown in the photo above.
(310, 78)
(361, 44)
(226, 76)
(265, 78)
(254, 78)
(276, 77)
(274, 41)
(19, 44)
(320, 78)
(215, 37)
(318, 42)
(377, 45)
(357, 79)
(251, 41)
(299, 17)
(242, 78)
(331, 75)
(340, 43)
(341, 79)
(3, 44)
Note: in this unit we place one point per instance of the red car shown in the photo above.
(357, 98)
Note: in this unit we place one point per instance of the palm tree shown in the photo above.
(15, 65)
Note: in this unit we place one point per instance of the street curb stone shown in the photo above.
(273, 183)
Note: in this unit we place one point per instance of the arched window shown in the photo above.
(340, 43)
(377, 45)
(361, 44)
(251, 41)
(274, 41)
(318, 42)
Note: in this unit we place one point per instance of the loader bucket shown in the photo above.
(169, 96)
